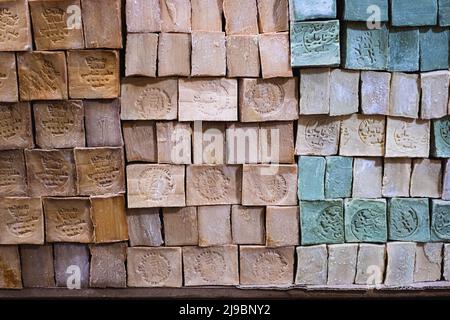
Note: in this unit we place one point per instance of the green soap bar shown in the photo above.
(414, 13)
(315, 43)
(409, 220)
(365, 49)
(311, 176)
(440, 220)
(361, 10)
(440, 145)
(433, 49)
(444, 13)
(302, 10)
(322, 222)
(403, 50)
(338, 177)
(365, 220)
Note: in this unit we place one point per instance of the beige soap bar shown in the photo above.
(241, 17)
(276, 142)
(428, 264)
(312, 265)
(405, 95)
(344, 92)
(208, 54)
(274, 50)
(180, 226)
(248, 225)
(174, 54)
(315, 91)
(15, 33)
(141, 54)
(375, 91)
(435, 95)
(9, 90)
(318, 135)
(140, 141)
(396, 179)
(13, 176)
(426, 178)
(175, 16)
(143, 16)
(214, 226)
(367, 177)
(16, 130)
(400, 263)
(371, 264)
(207, 15)
(342, 260)
(174, 142)
(243, 56)
(273, 15)
(407, 138)
(242, 143)
(209, 143)
(282, 226)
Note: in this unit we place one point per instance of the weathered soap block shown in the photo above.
(275, 55)
(273, 15)
(266, 266)
(367, 177)
(405, 95)
(400, 263)
(344, 92)
(242, 141)
(322, 222)
(312, 9)
(214, 225)
(407, 138)
(154, 267)
(68, 220)
(428, 264)
(243, 56)
(149, 99)
(241, 17)
(208, 54)
(363, 10)
(209, 145)
(318, 135)
(109, 219)
(311, 178)
(210, 266)
(440, 147)
(213, 185)
(15, 126)
(363, 135)
(268, 99)
(59, 124)
(365, 220)
(144, 227)
(153, 185)
(440, 214)
(37, 266)
(21, 221)
(93, 74)
(174, 54)
(140, 141)
(273, 185)
(315, 43)
(10, 275)
(444, 13)
(276, 142)
(342, 260)
(375, 91)
(206, 15)
(403, 50)
(338, 177)
(371, 264)
(175, 16)
(181, 226)
(365, 49)
(108, 266)
(409, 220)
(9, 91)
(102, 30)
(42, 75)
(54, 27)
(102, 120)
(312, 265)
(51, 172)
(141, 54)
(174, 142)
(71, 265)
(13, 181)
(282, 226)
(426, 178)
(315, 91)
(446, 262)
(417, 13)
(143, 16)
(434, 49)
(446, 182)
(396, 178)
(16, 27)
(100, 171)
(208, 99)
(435, 94)
(248, 225)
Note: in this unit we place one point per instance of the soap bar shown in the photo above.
(318, 135)
(312, 265)
(70, 260)
(180, 226)
(108, 266)
(397, 176)
(312, 9)
(174, 54)
(16, 130)
(403, 50)
(440, 147)
(338, 177)
(364, 10)
(435, 95)
(417, 13)
(322, 222)
(214, 225)
(40, 258)
(11, 275)
(140, 141)
(175, 15)
(206, 15)
(141, 54)
(208, 54)
(365, 220)
(143, 16)
(315, 43)
(276, 142)
(344, 92)
(405, 95)
(144, 227)
(242, 142)
(243, 56)
(446, 262)
(209, 143)
(342, 259)
(16, 27)
(273, 15)
(248, 225)
(241, 17)
(440, 214)
(102, 120)
(174, 142)
(282, 226)
(409, 220)
(367, 176)
(407, 138)
(434, 49)
(275, 55)
(426, 178)
(371, 264)
(311, 178)
(428, 262)
(444, 13)
(315, 91)
(400, 263)
(446, 183)
(9, 91)
(13, 177)
(375, 91)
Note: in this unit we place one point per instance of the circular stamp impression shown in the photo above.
(444, 130)
(156, 184)
(329, 223)
(153, 101)
(210, 265)
(270, 266)
(318, 133)
(371, 132)
(212, 184)
(271, 188)
(367, 223)
(154, 268)
(441, 222)
(265, 98)
(404, 223)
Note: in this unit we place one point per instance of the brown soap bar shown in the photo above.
(57, 24)
(276, 142)
(15, 29)
(21, 221)
(37, 266)
(13, 181)
(68, 220)
(174, 54)
(102, 22)
(93, 74)
(206, 15)
(100, 171)
(15, 126)
(71, 263)
(144, 227)
(214, 225)
(273, 15)
(109, 219)
(108, 266)
(9, 90)
(241, 17)
(10, 270)
(42, 75)
(176, 16)
(140, 141)
(209, 143)
(59, 124)
(51, 172)
(180, 226)
(102, 118)
(243, 56)
(208, 54)
(248, 225)
(141, 54)
(143, 16)
(174, 142)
